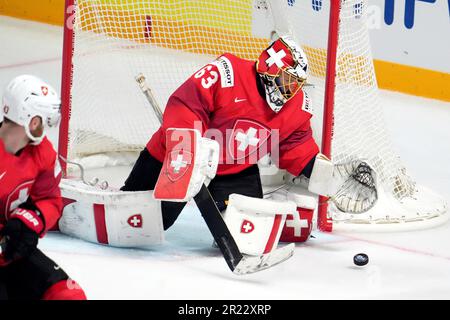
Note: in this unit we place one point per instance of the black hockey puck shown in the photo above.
(361, 259)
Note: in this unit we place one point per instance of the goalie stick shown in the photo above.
(140, 79)
(238, 262)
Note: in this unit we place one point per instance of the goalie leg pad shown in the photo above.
(256, 224)
(115, 218)
(298, 226)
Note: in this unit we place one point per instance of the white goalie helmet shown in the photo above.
(282, 68)
(26, 97)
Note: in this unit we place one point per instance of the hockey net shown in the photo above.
(109, 42)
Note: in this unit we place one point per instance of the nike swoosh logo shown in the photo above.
(1, 176)
(236, 100)
(56, 267)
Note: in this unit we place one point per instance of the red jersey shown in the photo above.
(35, 173)
(223, 97)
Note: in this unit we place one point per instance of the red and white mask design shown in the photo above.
(282, 68)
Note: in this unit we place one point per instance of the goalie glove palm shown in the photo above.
(350, 186)
(355, 185)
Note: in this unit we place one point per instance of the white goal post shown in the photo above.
(107, 43)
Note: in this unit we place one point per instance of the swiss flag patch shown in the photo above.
(135, 221)
(44, 90)
(247, 137)
(18, 196)
(178, 164)
(247, 226)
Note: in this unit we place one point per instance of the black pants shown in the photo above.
(146, 170)
(29, 278)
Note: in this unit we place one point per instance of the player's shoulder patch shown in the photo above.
(225, 68)
(307, 105)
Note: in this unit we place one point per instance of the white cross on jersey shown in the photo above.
(249, 138)
(247, 227)
(297, 224)
(275, 57)
(135, 221)
(23, 196)
(178, 163)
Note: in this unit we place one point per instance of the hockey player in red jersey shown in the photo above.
(30, 199)
(251, 109)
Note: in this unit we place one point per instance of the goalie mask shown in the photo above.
(26, 97)
(282, 68)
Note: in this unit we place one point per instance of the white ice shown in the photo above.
(410, 265)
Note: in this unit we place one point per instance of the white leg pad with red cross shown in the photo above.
(115, 218)
(256, 224)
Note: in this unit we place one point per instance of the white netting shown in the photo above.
(168, 40)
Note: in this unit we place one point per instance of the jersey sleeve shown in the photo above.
(297, 150)
(46, 194)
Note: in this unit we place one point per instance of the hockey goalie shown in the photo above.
(215, 129)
